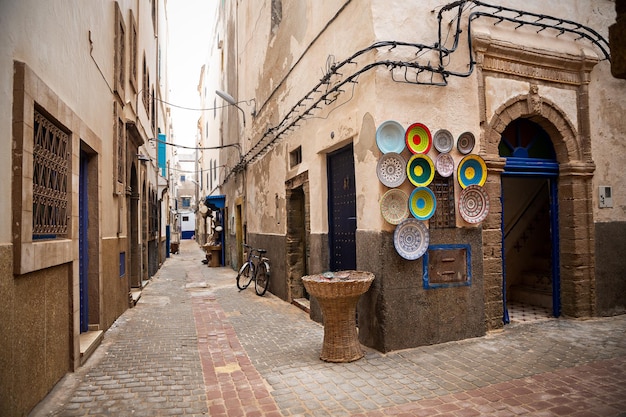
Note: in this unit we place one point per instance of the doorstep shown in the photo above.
(89, 341)
(303, 304)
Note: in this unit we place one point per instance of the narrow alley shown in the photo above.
(194, 345)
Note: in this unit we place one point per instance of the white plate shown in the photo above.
(444, 164)
(474, 204)
(391, 169)
(411, 239)
(394, 206)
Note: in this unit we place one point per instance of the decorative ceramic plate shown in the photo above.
(465, 143)
(444, 164)
(394, 206)
(422, 203)
(474, 204)
(391, 169)
(443, 141)
(472, 171)
(418, 138)
(420, 170)
(390, 137)
(411, 239)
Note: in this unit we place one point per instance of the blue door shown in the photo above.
(530, 226)
(342, 209)
(83, 257)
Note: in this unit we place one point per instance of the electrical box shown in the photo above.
(605, 196)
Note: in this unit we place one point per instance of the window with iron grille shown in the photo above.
(443, 188)
(120, 51)
(51, 168)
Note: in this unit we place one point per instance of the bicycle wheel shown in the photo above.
(245, 275)
(262, 281)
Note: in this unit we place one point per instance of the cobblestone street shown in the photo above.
(194, 345)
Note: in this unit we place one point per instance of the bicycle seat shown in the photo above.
(261, 251)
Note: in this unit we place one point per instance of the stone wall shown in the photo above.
(610, 268)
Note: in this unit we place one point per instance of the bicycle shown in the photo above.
(256, 268)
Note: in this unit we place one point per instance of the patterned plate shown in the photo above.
(418, 138)
(472, 170)
(465, 144)
(394, 206)
(411, 239)
(444, 164)
(443, 141)
(422, 203)
(391, 169)
(474, 204)
(420, 170)
(390, 137)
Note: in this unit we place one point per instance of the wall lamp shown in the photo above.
(230, 100)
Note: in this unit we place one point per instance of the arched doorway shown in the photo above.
(530, 245)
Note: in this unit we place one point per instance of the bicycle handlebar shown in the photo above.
(259, 251)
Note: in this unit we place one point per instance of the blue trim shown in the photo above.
(161, 154)
(218, 201)
(531, 166)
(468, 258)
(122, 264)
(556, 260)
(187, 234)
(505, 310)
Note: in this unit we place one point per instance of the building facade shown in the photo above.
(85, 205)
(336, 101)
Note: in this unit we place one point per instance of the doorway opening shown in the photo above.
(531, 284)
(298, 234)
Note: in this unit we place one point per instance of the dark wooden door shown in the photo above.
(342, 209)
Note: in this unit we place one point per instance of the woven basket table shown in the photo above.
(337, 294)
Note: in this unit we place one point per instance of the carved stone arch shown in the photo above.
(546, 114)
(576, 230)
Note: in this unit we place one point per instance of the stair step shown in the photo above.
(538, 296)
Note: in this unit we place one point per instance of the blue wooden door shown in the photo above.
(342, 209)
(83, 257)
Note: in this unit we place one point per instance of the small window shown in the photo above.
(185, 218)
(295, 157)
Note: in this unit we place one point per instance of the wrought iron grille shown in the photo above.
(51, 164)
(443, 188)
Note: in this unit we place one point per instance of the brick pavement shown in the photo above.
(255, 356)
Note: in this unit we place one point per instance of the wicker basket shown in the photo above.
(338, 296)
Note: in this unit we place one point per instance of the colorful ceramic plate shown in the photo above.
(411, 239)
(474, 204)
(394, 206)
(422, 203)
(443, 141)
(418, 138)
(465, 143)
(390, 137)
(472, 171)
(420, 170)
(444, 164)
(391, 169)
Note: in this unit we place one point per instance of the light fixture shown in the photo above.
(230, 100)
(143, 158)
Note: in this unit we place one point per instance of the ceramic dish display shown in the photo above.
(444, 164)
(422, 203)
(474, 204)
(465, 143)
(418, 138)
(411, 239)
(471, 171)
(420, 170)
(394, 206)
(391, 169)
(390, 137)
(443, 141)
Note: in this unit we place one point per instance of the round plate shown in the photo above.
(422, 203)
(465, 144)
(420, 170)
(418, 138)
(472, 171)
(443, 141)
(394, 206)
(391, 169)
(390, 137)
(474, 204)
(444, 164)
(411, 239)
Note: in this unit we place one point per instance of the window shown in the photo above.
(51, 166)
(186, 202)
(120, 52)
(119, 149)
(295, 157)
(443, 188)
(133, 52)
(145, 87)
